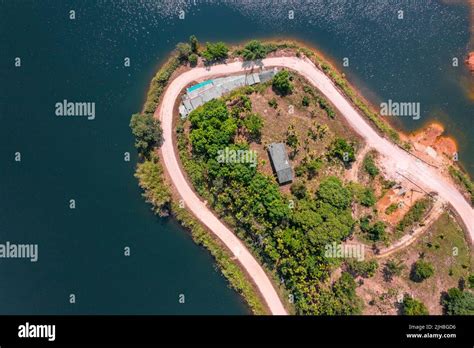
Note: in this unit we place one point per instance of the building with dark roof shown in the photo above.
(280, 162)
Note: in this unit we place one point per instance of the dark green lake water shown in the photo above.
(81, 250)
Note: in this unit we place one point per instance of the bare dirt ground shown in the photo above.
(403, 201)
(433, 147)
(291, 112)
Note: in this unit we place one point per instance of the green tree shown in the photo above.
(147, 132)
(377, 232)
(193, 41)
(281, 82)
(193, 59)
(412, 306)
(324, 104)
(365, 269)
(292, 137)
(254, 50)
(273, 103)
(470, 280)
(241, 106)
(212, 129)
(150, 177)
(215, 51)
(367, 197)
(370, 167)
(341, 299)
(184, 50)
(457, 302)
(332, 191)
(345, 290)
(313, 166)
(298, 189)
(254, 124)
(421, 270)
(342, 150)
(393, 268)
(305, 101)
(391, 208)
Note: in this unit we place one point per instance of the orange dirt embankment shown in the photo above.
(470, 57)
(432, 146)
(470, 62)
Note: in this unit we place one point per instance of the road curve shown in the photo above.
(394, 160)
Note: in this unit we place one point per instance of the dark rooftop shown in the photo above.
(280, 162)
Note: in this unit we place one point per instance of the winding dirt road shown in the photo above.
(394, 160)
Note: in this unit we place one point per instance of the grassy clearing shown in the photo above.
(445, 247)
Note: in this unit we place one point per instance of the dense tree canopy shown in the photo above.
(215, 51)
(332, 191)
(342, 300)
(282, 83)
(193, 41)
(370, 167)
(253, 124)
(375, 232)
(193, 59)
(149, 175)
(342, 150)
(254, 50)
(147, 132)
(412, 306)
(421, 270)
(458, 302)
(184, 50)
(298, 189)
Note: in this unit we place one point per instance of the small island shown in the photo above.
(335, 225)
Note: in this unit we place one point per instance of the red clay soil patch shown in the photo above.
(432, 146)
(470, 62)
(404, 203)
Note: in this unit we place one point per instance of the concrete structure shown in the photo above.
(205, 91)
(280, 162)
